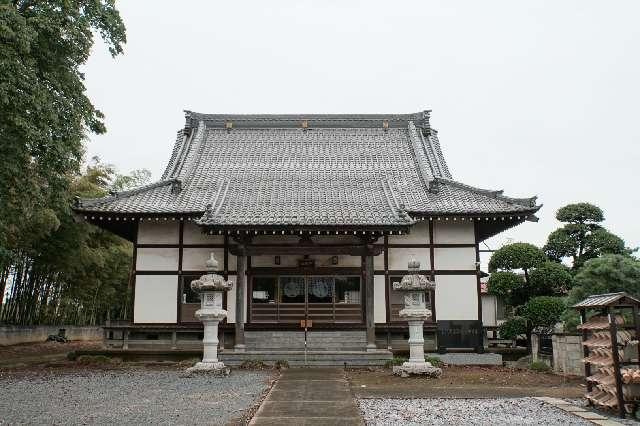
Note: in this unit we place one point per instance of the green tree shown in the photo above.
(514, 256)
(508, 286)
(45, 111)
(79, 274)
(607, 274)
(542, 311)
(550, 278)
(582, 237)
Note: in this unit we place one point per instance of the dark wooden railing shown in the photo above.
(289, 313)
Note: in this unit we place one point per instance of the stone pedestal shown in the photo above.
(211, 288)
(415, 311)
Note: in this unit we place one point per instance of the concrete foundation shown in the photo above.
(469, 358)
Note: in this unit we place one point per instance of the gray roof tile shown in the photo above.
(342, 170)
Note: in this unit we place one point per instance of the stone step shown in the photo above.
(339, 340)
(313, 358)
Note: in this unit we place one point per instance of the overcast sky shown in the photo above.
(536, 98)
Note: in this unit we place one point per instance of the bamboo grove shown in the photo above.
(76, 274)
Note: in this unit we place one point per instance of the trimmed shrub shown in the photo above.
(93, 360)
(253, 364)
(397, 360)
(539, 366)
(436, 362)
(543, 311)
(513, 327)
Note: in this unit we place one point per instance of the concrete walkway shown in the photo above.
(309, 396)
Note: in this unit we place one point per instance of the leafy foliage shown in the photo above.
(580, 213)
(540, 366)
(550, 278)
(79, 274)
(45, 111)
(506, 285)
(516, 256)
(582, 238)
(543, 311)
(607, 274)
(513, 327)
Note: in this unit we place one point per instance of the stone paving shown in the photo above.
(317, 396)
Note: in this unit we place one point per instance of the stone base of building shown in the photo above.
(417, 369)
(209, 368)
(469, 358)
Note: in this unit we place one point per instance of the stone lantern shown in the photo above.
(211, 288)
(415, 312)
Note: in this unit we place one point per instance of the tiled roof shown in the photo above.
(315, 170)
(607, 299)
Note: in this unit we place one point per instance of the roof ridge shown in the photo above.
(295, 120)
(498, 194)
(415, 149)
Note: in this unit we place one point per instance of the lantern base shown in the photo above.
(417, 369)
(212, 368)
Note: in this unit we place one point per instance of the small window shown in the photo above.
(348, 290)
(188, 295)
(292, 290)
(264, 290)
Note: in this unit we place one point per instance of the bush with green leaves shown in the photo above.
(396, 360)
(508, 286)
(435, 361)
(550, 278)
(513, 327)
(515, 256)
(543, 311)
(540, 366)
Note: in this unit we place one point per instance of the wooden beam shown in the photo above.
(241, 282)
(369, 302)
(351, 250)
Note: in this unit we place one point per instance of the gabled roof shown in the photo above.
(608, 299)
(308, 171)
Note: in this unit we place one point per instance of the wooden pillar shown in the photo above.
(369, 299)
(241, 284)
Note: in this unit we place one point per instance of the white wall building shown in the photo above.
(313, 217)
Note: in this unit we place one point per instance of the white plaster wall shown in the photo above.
(379, 308)
(453, 232)
(158, 232)
(455, 258)
(456, 297)
(419, 235)
(489, 310)
(192, 234)
(193, 259)
(155, 300)
(378, 261)
(157, 259)
(399, 257)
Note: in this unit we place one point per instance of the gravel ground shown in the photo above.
(138, 396)
(440, 411)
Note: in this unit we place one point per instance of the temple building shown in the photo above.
(313, 217)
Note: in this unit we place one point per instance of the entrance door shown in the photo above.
(320, 298)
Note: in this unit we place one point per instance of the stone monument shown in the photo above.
(211, 288)
(415, 311)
